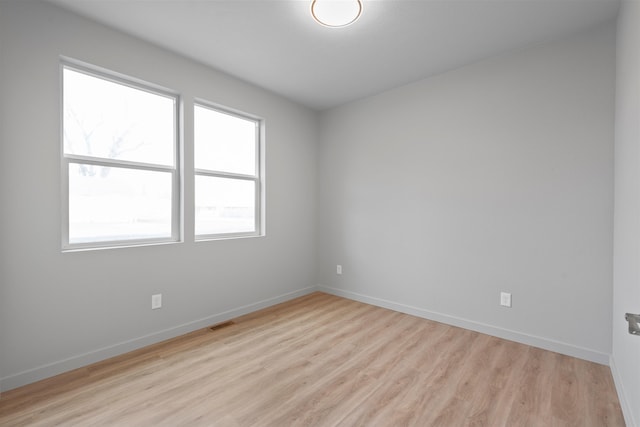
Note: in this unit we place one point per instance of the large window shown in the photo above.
(119, 161)
(227, 173)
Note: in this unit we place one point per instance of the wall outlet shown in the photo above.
(156, 301)
(338, 269)
(505, 299)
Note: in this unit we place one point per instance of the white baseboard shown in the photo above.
(532, 340)
(622, 396)
(74, 362)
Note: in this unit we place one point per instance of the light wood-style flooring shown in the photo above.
(321, 360)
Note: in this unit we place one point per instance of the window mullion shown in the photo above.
(98, 161)
(206, 172)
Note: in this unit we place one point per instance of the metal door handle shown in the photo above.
(634, 323)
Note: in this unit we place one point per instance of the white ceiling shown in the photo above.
(277, 45)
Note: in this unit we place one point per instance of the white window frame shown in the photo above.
(68, 159)
(257, 179)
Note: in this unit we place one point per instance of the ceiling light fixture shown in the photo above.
(336, 13)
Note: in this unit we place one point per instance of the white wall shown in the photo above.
(494, 177)
(625, 361)
(60, 311)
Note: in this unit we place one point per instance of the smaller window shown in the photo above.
(228, 194)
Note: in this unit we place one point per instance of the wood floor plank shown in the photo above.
(491, 407)
(532, 403)
(321, 360)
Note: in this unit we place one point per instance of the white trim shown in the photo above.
(78, 361)
(622, 396)
(119, 244)
(224, 109)
(116, 77)
(532, 340)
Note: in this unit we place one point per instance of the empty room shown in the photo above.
(320, 213)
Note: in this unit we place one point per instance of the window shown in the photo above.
(227, 174)
(119, 161)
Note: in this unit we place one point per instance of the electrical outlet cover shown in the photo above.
(156, 301)
(505, 299)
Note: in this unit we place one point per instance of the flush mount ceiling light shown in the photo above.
(336, 13)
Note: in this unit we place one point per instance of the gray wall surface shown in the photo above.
(626, 283)
(498, 176)
(61, 310)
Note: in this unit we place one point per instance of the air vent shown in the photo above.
(221, 325)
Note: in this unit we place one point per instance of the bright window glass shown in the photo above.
(224, 143)
(225, 205)
(111, 120)
(107, 204)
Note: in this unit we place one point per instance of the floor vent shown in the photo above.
(222, 325)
